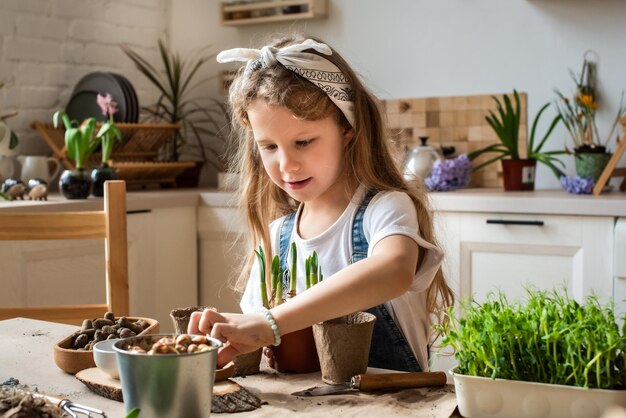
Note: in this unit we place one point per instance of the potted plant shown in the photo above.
(203, 120)
(107, 134)
(297, 352)
(591, 154)
(80, 143)
(518, 173)
(548, 356)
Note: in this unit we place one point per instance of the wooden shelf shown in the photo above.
(272, 11)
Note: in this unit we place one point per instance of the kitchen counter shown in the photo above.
(26, 347)
(466, 200)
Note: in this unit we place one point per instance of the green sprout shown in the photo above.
(261, 258)
(293, 271)
(313, 270)
(277, 282)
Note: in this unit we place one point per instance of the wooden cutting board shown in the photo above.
(228, 396)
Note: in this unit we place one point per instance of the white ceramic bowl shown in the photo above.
(104, 356)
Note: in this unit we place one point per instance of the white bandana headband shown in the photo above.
(318, 70)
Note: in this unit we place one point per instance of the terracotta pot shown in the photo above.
(518, 174)
(343, 346)
(296, 353)
(181, 317)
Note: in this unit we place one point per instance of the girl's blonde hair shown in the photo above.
(368, 156)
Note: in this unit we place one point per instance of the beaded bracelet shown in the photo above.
(270, 319)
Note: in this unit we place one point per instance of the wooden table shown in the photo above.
(26, 354)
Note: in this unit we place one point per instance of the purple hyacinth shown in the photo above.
(449, 174)
(578, 185)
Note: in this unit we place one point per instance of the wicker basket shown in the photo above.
(135, 158)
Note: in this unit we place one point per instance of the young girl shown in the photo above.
(313, 157)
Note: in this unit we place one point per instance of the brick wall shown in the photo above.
(46, 46)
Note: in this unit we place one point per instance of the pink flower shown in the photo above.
(107, 105)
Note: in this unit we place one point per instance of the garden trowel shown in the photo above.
(384, 381)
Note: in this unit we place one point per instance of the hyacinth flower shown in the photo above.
(450, 174)
(108, 131)
(260, 254)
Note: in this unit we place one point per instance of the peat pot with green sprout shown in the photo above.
(80, 142)
(296, 353)
(518, 173)
(107, 135)
(546, 356)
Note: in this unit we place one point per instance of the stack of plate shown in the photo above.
(83, 102)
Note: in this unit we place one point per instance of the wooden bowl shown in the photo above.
(72, 361)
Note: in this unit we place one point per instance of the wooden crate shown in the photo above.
(452, 121)
(135, 158)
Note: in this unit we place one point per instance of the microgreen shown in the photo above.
(549, 339)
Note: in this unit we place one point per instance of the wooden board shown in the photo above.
(228, 396)
(452, 121)
(611, 169)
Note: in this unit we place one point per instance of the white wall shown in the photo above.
(46, 46)
(419, 48)
(402, 48)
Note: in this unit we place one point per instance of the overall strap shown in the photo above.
(286, 229)
(360, 245)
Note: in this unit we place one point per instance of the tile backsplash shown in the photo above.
(457, 121)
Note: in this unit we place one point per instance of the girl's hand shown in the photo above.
(240, 333)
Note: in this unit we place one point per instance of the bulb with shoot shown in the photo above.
(293, 272)
(79, 140)
(260, 254)
(108, 132)
(277, 281)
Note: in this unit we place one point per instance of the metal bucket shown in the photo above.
(166, 385)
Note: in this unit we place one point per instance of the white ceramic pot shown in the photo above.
(501, 398)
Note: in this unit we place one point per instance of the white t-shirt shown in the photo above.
(388, 213)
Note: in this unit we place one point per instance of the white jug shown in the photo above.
(39, 167)
(5, 141)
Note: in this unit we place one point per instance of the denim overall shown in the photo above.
(389, 348)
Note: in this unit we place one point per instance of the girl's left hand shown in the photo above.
(240, 333)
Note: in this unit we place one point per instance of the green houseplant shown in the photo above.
(518, 172)
(549, 339)
(204, 128)
(591, 153)
(80, 142)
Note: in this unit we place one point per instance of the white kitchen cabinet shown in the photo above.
(220, 246)
(162, 267)
(489, 252)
